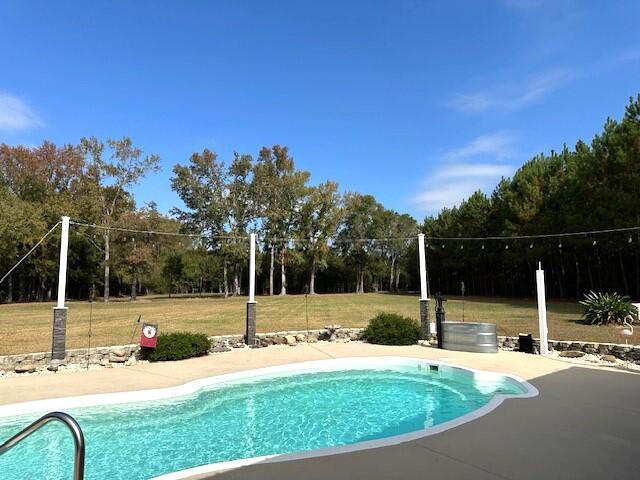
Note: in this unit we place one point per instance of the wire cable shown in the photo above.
(337, 239)
(6, 275)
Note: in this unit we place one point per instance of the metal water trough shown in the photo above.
(470, 337)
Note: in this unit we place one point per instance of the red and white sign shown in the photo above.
(149, 335)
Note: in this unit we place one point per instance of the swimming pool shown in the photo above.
(276, 413)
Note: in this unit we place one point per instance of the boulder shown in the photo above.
(609, 358)
(572, 354)
(25, 368)
(117, 359)
(312, 338)
(120, 352)
(220, 349)
(300, 338)
(290, 340)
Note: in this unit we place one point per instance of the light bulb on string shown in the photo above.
(630, 239)
(482, 246)
(443, 245)
(531, 245)
(461, 247)
(560, 244)
(506, 247)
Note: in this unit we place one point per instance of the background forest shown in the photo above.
(313, 238)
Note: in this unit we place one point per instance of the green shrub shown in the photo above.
(392, 329)
(605, 308)
(177, 346)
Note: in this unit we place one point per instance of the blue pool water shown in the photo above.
(249, 418)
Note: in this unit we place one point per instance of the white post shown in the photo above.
(425, 323)
(252, 268)
(424, 294)
(250, 332)
(59, 334)
(542, 310)
(62, 274)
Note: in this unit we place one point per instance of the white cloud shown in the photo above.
(512, 96)
(462, 171)
(498, 144)
(15, 114)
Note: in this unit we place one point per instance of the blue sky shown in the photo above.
(418, 103)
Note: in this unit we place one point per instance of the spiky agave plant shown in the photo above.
(605, 308)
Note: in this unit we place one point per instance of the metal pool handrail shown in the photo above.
(70, 423)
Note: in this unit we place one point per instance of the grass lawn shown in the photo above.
(27, 327)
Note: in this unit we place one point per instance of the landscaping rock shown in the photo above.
(220, 349)
(290, 340)
(312, 338)
(572, 354)
(117, 359)
(25, 368)
(609, 358)
(300, 338)
(120, 352)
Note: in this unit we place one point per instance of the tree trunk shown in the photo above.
(134, 285)
(360, 288)
(236, 282)
(271, 269)
(391, 273)
(624, 274)
(397, 285)
(577, 280)
(283, 274)
(312, 279)
(10, 289)
(224, 280)
(106, 267)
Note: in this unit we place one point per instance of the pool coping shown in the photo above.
(325, 365)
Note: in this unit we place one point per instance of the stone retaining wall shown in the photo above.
(104, 356)
(628, 353)
(29, 362)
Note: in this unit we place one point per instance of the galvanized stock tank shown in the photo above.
(470, 337)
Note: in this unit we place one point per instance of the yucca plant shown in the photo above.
(606, 308)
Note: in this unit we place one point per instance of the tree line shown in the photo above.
(312, 237)
(591, 187)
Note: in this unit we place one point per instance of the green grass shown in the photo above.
(27, 327)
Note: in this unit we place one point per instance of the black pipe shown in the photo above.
(440, 318)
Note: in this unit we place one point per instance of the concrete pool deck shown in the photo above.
(584, 424)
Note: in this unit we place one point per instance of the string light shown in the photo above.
(148, 233)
